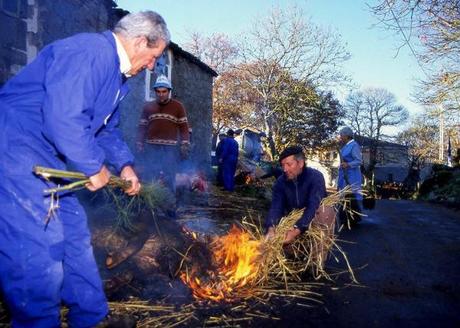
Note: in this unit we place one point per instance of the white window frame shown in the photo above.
(149, 75)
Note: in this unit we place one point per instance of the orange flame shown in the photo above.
(236, 257)
(248, 179)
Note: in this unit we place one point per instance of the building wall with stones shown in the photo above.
(28, 25)
(192, 85)
(13, 37)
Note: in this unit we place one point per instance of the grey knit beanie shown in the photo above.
(346, 131)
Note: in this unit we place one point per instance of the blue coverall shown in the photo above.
(60, 111)
(351, 153)
(220, 178)
(229, 160)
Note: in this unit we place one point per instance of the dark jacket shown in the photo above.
(229, 150)
(306, 191)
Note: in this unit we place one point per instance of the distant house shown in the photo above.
(28, 25)
(250, 141)
(392, 161)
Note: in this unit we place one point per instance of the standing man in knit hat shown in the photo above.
(300, 187)
(163, 137)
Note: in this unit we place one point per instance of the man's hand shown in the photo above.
(184, 151)
(99, 180)
(128, 174)
(344, 165)
(291, 235)
(270, 233)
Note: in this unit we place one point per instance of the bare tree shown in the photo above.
(285, 46)
(218, 50)
(369, 112)
(421, 139)
(431, 29)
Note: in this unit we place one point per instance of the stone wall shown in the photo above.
(37, 23)
(193, 87)
(131, 109)
(58, 19)
(13, 35)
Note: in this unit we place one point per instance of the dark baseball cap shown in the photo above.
(292, 150)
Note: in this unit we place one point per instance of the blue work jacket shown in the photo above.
(351, 153)
(229, 150)
(61, 109)
(306, 191)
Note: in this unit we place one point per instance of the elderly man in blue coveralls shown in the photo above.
(350, 171)
(60, 111)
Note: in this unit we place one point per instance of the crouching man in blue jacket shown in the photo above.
(61, 111)
(299, 187)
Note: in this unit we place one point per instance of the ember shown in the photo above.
(235, 256)
(248, 179)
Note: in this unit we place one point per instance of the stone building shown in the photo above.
(28, 25)
(191, 80)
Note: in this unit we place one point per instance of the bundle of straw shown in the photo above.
(280, 268)
(151, 196)
(309, 251)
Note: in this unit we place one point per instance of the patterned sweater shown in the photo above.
(163, 124)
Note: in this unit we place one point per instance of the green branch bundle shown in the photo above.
(152, 196)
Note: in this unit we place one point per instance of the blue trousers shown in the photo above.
(161, 162)
(41, 268)
(228, 174)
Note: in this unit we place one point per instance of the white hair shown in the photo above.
(145, 23)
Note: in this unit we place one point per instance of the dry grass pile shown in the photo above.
(284, 273)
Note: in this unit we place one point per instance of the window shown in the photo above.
(163, 66)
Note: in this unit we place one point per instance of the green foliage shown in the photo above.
(153, 197)
(303, 116)
(444, 185)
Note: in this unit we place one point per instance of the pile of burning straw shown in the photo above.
(247, 265)
(243, 270)
(244, 273)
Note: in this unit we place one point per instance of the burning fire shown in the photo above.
(236, 256)
(248, 179)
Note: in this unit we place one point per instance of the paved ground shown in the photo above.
(406, 255)
(410, 254)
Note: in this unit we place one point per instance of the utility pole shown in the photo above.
(441, 134)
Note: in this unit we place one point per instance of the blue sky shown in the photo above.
(373, 62)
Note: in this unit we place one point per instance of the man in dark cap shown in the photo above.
(299, 187)
(228, 160)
